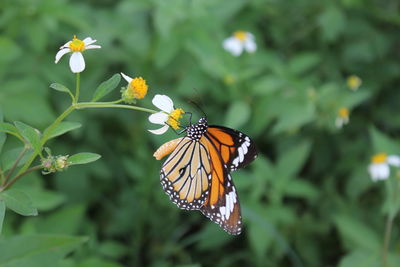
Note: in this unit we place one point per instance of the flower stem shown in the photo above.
(78, 84)
(386, 242)
(84, 105)
(16, 178)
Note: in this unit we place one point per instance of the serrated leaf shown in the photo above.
(83, 158)
(106, 87)
(59, 87)
(63, 128)
(30, 134)
(37, 250)
(8, 128)
(19, 202)
(2, 213)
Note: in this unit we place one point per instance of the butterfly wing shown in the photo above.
(222, 204)
(185, 175)
(237, 149)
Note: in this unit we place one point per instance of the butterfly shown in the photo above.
(196, 175)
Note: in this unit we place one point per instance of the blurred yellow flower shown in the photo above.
(342, 117)
(353, 82)
(136, 89)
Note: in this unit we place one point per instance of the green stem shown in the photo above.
(84, 105)
(20, 156)
(386, 242)
(16, 178)
(78, 84)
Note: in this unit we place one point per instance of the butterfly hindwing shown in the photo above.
(185, 175)
(236, 148)
(222, 204)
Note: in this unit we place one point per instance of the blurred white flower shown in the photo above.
(342, 117)
(168, 116)
(76, 47)
(379, 168)
(240, 41)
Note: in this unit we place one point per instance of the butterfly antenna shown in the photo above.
(198, 107)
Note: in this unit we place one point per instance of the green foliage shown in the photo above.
(307, 200)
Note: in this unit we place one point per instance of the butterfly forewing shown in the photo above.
(237, 149)
(185, 175)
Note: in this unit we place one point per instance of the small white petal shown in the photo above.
(232, 45)
(66, 45)
(163, 102)
(77, 62)
(250, 46)
(160, 131)
(126, 77)
(158, 118)
(339, 123)
(379, 171)
(394, 160)
(61, 53)
(92, 47)
(89, 41)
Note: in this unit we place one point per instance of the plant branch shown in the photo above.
(20, 156)
(16, 178)
(84, 105)
(77, 89)
(386, 241)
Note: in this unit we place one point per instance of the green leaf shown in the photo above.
(3, 136)
(383, 143)
(83, 158)
(360, 258)
(63, 128)
(238, 114)
(2, 213)
(30, 134)
(37, 250)
(304, 62)
(59, 87)
(106, 87)
(8, 128)
(357, 233)
(19, 202)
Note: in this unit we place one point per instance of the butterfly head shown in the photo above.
(196, 131)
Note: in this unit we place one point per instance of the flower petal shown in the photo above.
(232, 45)
(158, 118)
(380, 171)
(163, 102)
(61, 53)
(394, 160)
(66, 45)
(250, 46)
(92, 47)
(160, 131)
(89, 41)
(77, 62)
(126, 77)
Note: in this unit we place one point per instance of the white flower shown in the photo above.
(168, 116)
(379, 168)
(342, 117)
(76, 47)
(240, 41)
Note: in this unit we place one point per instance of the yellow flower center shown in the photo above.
(138, 88)
(343, 113)
(174, 117)
(240, 35)
(76, 45)
(353, 82)
(379, 158)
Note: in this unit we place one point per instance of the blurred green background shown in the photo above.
(306, 201)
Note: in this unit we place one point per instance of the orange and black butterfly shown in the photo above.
(196, 176)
